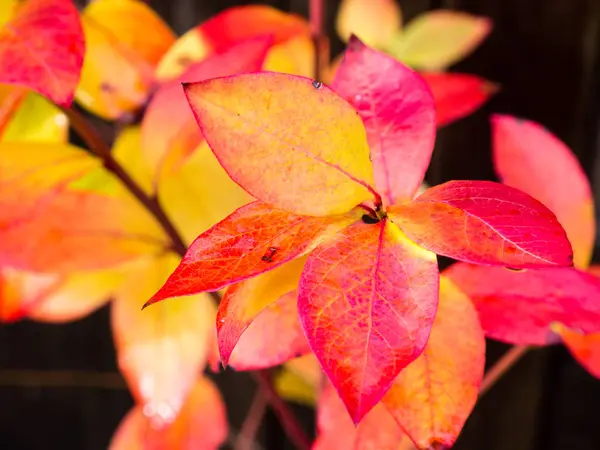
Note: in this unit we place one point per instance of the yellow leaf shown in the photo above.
(373, 21)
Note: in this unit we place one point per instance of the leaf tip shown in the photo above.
(354, 43)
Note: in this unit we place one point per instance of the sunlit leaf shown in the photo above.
(300, 380)
(532, 159)
(485, 223)
(160, 350)
(367, 298)
(438, 39)
(518, 307)
(125, 40)
(252, 240)
(21, 291)
(127, 150)
(457, 95)
(270, 300)
(584, 347)
(398, 113)
(42, 47)
(201, 425)
(268, 129)
(432, 398)
(373, 21)
(8, 8)
(168, 127)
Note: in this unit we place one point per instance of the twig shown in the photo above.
(316, 14)
(286, 417)
(251, 424)
(97, 145)
(509, 359)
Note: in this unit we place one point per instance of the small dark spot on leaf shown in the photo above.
(106, 87)
(268, 256)
(184, 60)
(317, 84)
(369, 220)
(513, 269)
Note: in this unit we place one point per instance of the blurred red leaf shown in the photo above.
(254, 239)
(519, 307)
(398, 113)
(457, 95)
(432, 398)
(584, 347)
(201, 425)
(22, 291)
(530, 158)
(42, 48)
(367, 299)
(485, 223)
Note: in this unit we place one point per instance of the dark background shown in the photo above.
(546, 56)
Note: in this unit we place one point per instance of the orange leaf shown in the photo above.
(367, 299)
(584, 347)
(252, 240)
(21, 291)
(42, 48)
(201, 425)
(264, 307)
(168, 127)
(485, 223)
(125, 41)
(11, 97)
(532, 159)
(268, 128)
(373, 21)
(432, 398)
(160, 350)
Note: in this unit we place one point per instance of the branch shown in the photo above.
(252, 421)
(317, 18)
(509, 359)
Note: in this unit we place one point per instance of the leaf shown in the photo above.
(267, 129)
(202, 182)
(262, 310)
(432, 398)
(231, 26)
(519, 307)
(530, 158)
(299, 380)
(373, 21)
(398, 113)
(20, 291)
(457, 95)
(367, 298)
(438, 39)
(584, 347)
(125, 41)
(160, 350)
(8, 8)
(42, 47)
(252, 240)
(78, 295)
(484, 223)
(168, 127)
(202, 424)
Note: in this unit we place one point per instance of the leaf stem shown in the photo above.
(508, 360)
(97, 145)
(252, 421)
(316, 12)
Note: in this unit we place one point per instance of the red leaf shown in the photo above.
(262, 311)
(399, 116)
(42, 48)
(584, 347)
(457, 95)
(169, 127)
(532, 159)
(518, 307)
(367, 298)
(252, 240)
(432, 398)
(485, 223)
(201, 425)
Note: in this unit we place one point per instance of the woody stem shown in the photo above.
(508, 360)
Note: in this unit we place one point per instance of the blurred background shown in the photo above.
(545, 54)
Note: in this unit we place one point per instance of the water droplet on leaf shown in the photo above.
(317, 84)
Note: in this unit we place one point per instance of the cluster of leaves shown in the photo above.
(302, 201)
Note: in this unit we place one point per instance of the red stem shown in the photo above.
(507, 360)
(316, 13)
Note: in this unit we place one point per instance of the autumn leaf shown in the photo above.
(201, 424)
(519, 307)
(437, 39)
(457, 95)
(168, 127)
(398, 113)
(485, 223)
(252, 240)
(237, 24)
(584, 347)
(125, 42)
(263, 311)
(160, 350)
(530, 158)
(42, 47)
(432, 398)
(20, 291)
(267, 129)
(300, 380)
(373, 21)
(366, 299)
